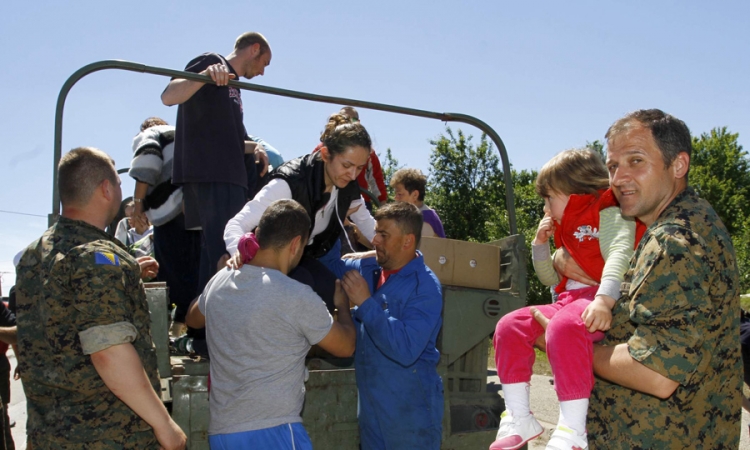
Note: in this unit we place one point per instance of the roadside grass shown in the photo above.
(541, 364)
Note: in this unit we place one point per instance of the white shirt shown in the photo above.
(277, 189)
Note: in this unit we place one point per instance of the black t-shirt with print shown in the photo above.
(210, 134)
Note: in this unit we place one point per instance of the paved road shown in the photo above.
(546, 409)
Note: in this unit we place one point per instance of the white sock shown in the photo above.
(516, 396)
(573, 414)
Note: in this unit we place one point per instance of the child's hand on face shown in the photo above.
(545, 231)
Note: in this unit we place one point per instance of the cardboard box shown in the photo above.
(460, 263)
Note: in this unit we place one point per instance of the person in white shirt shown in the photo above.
(325, 184)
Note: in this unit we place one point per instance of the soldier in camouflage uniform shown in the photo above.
(86, 356)
(669, 368)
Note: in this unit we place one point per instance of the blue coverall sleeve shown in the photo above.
(405, 338)
(339, 266)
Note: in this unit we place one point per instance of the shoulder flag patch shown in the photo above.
(106, 258)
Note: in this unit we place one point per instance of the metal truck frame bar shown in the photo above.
(136, 67)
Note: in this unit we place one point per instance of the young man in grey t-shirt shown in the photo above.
(260, 325)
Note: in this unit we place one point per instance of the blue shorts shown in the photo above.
(291, 436)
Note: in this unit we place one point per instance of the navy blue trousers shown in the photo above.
(178, 252)
(315, 274)
(211, 205)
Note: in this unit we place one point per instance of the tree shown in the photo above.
(598, 147)
(390, 167)
(720, 173)
(529, 212)
(741, 240)
(467, 188)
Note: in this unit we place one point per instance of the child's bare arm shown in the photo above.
(545, 230)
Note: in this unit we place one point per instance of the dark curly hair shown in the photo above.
(340, 133)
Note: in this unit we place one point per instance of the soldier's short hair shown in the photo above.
(251, 38)
(81, 171)
(671, 134)
(575, 171)
(408, 218)
(412, 180)
(281, 222)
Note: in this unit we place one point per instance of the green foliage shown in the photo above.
(467, 188)
(529, 212)
(745, 303)
(741, 240)
(597, 146)
(389, 166)
(720, 172)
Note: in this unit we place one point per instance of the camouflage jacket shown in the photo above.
(680, 316)
(79, 292)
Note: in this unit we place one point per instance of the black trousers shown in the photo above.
(178, 252)
(6, 442)
(210, 206)
(315, 274)
(745, 342)
(6, 439)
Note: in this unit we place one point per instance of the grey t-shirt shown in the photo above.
(260, 325)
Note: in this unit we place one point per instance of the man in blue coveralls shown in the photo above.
(398, 316)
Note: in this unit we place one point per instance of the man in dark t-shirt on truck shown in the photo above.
(210, 142)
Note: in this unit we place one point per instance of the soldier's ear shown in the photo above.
(680, 165)
(106, 189)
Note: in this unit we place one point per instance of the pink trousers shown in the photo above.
(570, 347)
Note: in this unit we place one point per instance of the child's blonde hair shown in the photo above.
(575, 171)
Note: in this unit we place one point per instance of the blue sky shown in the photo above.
(545, 75)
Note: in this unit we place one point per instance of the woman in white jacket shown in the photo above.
(325, 184)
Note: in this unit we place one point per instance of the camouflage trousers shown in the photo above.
(141, 440)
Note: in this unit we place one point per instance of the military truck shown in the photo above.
(470, 313)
